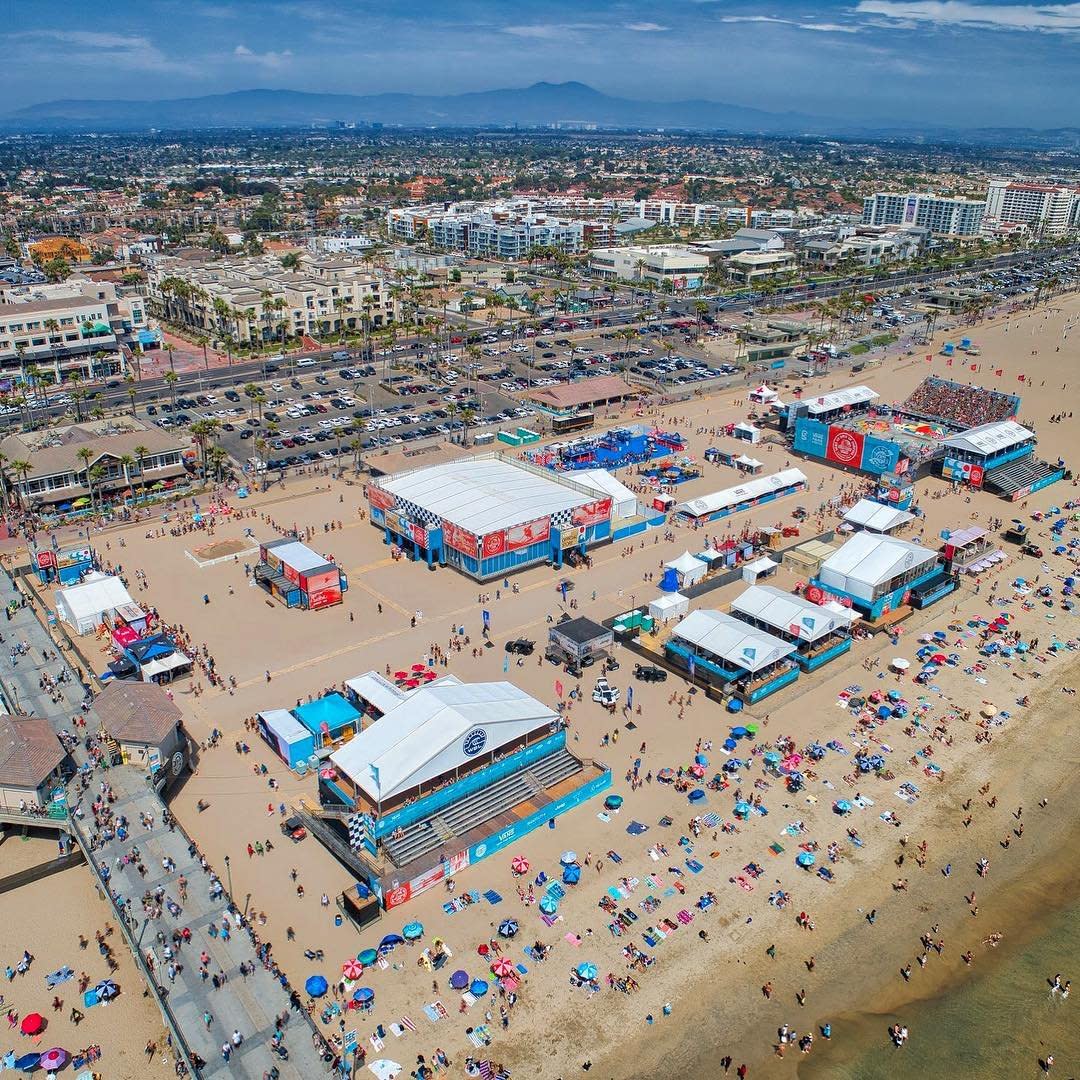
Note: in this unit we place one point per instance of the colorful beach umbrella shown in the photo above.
(367, 957)
(32, 1023)
(459, 980)
(508, 928)
(352, 969)
(106, 990)
(478, 987)
(548, 906)
(572, 874)
(53, 1059)
(519, 864)
(412, 931)
(842, 806)
(419, 667)
(502, 966)
(568, 857)
(805, 859)
(316, 985)
(587, 970)
(364, 994)
(401, 674)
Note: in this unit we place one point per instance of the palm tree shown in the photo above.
(94, 477)
(85, 455)
(203, 340)
(202, 433)
(22, 470)
(125, 461)
(356, 445)
(218, 455)
(4, 462)
(141, 454)
(340, 304)
(468, 418)
(132, 393)
(171, 379)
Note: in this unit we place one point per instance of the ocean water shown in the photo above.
(998, 1024)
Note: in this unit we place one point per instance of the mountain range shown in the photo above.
(538, 105)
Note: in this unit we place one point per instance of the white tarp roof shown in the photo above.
(380, 692)
(623, 500)
(732, 640)
(299, 556)
(760, 566)
(166, 663)
(792, 614)
(483, 495)
(990, 438)
(686, 564)
(877, 517)
(763, 393)
(751, 489)
(89, 600)
(668, 604)
(853, 395)
(867, 560)
(434, 730)
(744, 426)
(750, 462)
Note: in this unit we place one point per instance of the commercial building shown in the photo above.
(488, 515)
(255, 299)
(449, 775)
(941, 215)
(1047, 209)
(751, 267)
(127, 453)
(76, 326)
(674, 266)
(32, 762)
(568, 398)
(507, 230)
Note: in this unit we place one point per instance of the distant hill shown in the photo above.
(541, 104)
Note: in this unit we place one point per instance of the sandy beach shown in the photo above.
(717, 1007)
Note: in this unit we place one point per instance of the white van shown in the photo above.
(305, 361)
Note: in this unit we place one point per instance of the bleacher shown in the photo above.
(1014, 475)
(957, 404)
(478, 808)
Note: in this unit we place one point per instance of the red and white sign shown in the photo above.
(419, 534)
(523, 536)
(323, 590)
(844, 447)
(592, 513)
(460, 539)
(46, 560)
(814, 594)
(380, 499)
(494, 543)
(975, 475)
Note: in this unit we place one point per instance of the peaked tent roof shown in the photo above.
(733, 496)
(96, 593)
(990, 438)
(786, 612)
(687, 564)
(732, 640)
(877, 517)
(851, 396)
(868, 559)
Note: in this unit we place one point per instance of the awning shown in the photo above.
(172, 662)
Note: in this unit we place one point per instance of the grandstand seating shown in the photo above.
(1014, 475)
(958, 404)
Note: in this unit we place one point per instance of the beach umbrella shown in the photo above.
(316, 986)
(697, 795)
(401, 674)
(665, 774)
(568, 857)
(587, 970)
(842, 806)
(412, 931)
(508, 927)
(884, 712)
(27, 1063)
(613, 802)
(32, 1023)
(364, 994)
(729, 744)
(384, 1068)
(367, 957)
(352, 969)
(548, 906)
(734, 705)
(772, 758)
(478, 987)
(895, 695)
(459, 980)
(738, 732)
(940, 635)
(742, 809)
(429, 675)
(502, 966)
(53, 1059)
(81, 502)
(900, 664)
(419, 667)
(106, 990)
(519, 864)
(390, 941)
(700, 759)
(989, 710)
(805, 859)
(697, 770)
(571, 875)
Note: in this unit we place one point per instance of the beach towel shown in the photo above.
(58, 977)
(685, 917)
(653, 855)
(550, 920)
(376, 1042)
(710, 820)
(615, 857)
(573, 939)
(492, 897)
(604, 817)
(479, 1036)
(556, 891)
(863, 801)
(406, 1021)
(522, 969)
(90, 999)
(397, 1030)
(694, 866)
(657, 932)
(669, 891)
(650, 941)
(657, 880)
(615, 894)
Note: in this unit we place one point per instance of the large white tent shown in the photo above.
(876, 517)
(732, 640)
(84, 606)
(789, 614)
(669, 606)
(624, 503)
(435, 730)
(747, 492)
(689, 568)
(988, 439)
(868, 561)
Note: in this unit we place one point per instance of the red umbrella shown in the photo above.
(429, 675)
(32, 1023)
(483, 950)
(412, 684)
(419, 667)
(502, 967)
(401, 674)
(352, 969)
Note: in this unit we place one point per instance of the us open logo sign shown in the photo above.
(474, 742)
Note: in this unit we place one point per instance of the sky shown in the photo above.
(957, 62)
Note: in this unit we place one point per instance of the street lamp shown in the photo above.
(228, 873)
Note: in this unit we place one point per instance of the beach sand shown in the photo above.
(47, 917)
(714, 989)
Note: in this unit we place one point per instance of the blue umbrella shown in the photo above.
(884, 712)
(28, 1062)
(805, 858)
(772, 758)
(106, 990)
(729, 744)
(459, 980)
(894, 695)
(613, 802)
(734, 705)
(316, 986)
(738, 733)
(701, 759)
(571, 875)
(364, 993)
(697, 795)
(413, 930)
(390, 941)
(940, 635)
(548, 906)
(587, 970)
(742, 809)
(842, 806)
(509, 927)
(478, 988)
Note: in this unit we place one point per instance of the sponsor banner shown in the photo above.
(46, 560)
(291, 573)
(418, 533)
(569, 538)
(592, 513)
(811, 437)
(396, 523)
(323, 589)
(460, 539)
(879, 455)
(402, 894)
(384, 500)
(272, 561)
(844, 447)
(494, 543)
(962, 472)
(523, 536)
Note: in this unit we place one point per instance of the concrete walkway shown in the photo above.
(245, 1004)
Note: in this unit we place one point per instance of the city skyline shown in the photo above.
(879, 62)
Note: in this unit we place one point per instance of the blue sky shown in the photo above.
(968, 62)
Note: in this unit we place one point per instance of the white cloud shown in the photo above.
(646, 27)
(1042, 18)
(550, 31)
(90, 48)
(828, 28)
(266, 59)
(754, 19)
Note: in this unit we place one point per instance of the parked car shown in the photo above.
(521, 646)
(293, 828)
(649, 673)
(604, 693)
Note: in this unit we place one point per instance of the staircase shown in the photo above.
(455, 820)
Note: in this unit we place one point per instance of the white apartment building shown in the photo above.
(506, 230)
(1047, 209)
(673, 265)
(76, 325)
(752, 267)
(253, 299)
(940, 215)
(339, 244)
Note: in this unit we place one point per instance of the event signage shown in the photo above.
(962, 472)
(46, 560)
(460, 539)
(419, 534)
(592, 513)
(323, 589)
(402, 894)
(523, 536)
(474, 742)
(494, 543)
(380, 499)
(844, 447)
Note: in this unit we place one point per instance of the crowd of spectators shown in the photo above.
(958, 403)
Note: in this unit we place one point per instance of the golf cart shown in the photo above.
(604, 693)
(294, 829)
(1031, 549)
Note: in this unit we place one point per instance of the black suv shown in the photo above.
(521, 646)
(649, 673)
